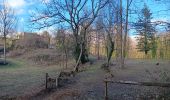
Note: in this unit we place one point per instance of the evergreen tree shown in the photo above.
(146, 32)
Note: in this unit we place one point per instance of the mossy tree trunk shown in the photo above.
(80, 52)
(109, 48)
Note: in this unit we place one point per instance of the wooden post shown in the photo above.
(56, 82)
(106, 95)
(46, 80)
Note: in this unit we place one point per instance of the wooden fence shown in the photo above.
(50, 83)
(133, 83)
(60, 80)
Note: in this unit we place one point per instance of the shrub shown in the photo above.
(43, 57)
(31, 42)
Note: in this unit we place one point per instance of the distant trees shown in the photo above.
(163, 46)
(64, 44)
(99, 30)
(7, 22)
(115, 29)
(47, 37)
(146, 32)
(30, 41)
(78, 14)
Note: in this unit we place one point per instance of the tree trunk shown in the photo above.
(84, 56)
(98, 47)
(81, 44)
(4, 49)
(121, 36)
(110, 54)
(78, 60)
(107, 54)
(66, 57)
(110, 48)
(126, 32)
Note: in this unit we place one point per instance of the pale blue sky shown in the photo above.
(24, 8)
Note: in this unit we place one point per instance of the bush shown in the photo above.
(31, 42)
(16, 53)
(43, 57)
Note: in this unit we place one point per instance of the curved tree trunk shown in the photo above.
(110, 53)
(81, 45)
(78, 60)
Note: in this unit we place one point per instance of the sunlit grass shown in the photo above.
(19, 77)
(12, 64)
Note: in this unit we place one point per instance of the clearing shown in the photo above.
(27, 82)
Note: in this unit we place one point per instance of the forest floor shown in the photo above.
(28, 82)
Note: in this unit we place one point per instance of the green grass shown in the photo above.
(12, 64)
(19, 77)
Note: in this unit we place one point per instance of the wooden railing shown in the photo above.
(133, 83)
(50, 82)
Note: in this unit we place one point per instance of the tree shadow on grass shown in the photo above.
(8, 64)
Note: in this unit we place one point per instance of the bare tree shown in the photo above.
(111, 27)
(109, 30)
(62, 41)
(121, 33)
(77, 14)
(7, 22)
(128, 3)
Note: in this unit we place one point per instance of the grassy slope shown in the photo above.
(20, 78)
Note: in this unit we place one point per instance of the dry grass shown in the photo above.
(41, 57)
(21, 78)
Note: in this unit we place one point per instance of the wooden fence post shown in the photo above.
(46, 80)
(106, 94)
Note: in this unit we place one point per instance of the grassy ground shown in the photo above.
(19, 77)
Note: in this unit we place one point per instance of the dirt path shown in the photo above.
(86, 85)
(89, 85)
